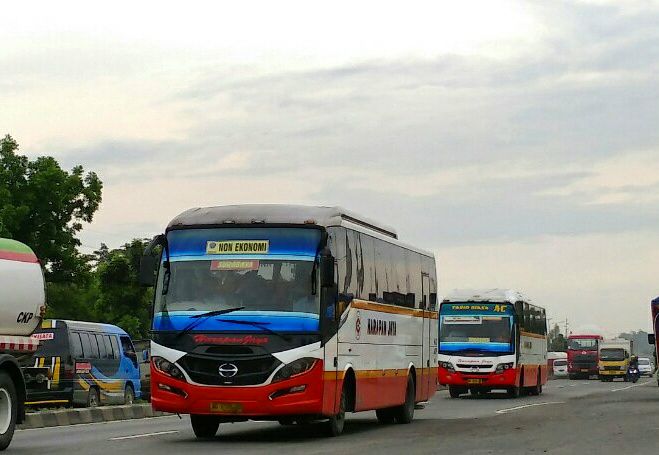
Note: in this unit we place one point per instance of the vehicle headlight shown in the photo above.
(167, 368)
(447, 366)
(503, 366)
(295, 368)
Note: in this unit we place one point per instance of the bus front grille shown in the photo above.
(220, 370)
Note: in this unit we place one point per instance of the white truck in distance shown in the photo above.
(22, 305)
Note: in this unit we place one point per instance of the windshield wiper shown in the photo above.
(260, 325)
(199, 318)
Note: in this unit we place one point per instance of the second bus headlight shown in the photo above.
(168, 368)
(447, 366)
(504, 366)
(295, 368)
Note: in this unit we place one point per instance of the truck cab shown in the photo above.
(614, 358)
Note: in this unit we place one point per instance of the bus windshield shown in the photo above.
(612, 354)
(476, 332)
(256, 285)
(583, 344)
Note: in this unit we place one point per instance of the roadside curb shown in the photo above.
(63, 417)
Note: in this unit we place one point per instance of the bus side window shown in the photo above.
(103, 354)
(86, 345)
(519, 310)
(108, 347)
(94, 344)
(115, 346)
(76, 346)
(414, 268)
(368, 259)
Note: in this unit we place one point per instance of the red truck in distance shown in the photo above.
(582, 355)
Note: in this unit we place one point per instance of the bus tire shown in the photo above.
(335, 424)
(8, 409)
(129, 395)
(385, 416)
(514, 391)
(93, 398)
(405, 412)
(454, 391)
(203, 426)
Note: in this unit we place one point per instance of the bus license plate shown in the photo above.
(474, 381)
(228, 408)
(584, 370)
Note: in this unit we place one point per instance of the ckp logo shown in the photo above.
(24, 317)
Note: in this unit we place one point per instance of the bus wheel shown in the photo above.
(93, 399)
(204, 427)
(454, 391)
(129, 395)
(336, 423)
(405, 413)
(514, 392)
(386, 415)
(8, 409)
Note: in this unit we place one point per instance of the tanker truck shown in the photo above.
(22, 306)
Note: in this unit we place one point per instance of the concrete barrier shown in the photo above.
(61, 417)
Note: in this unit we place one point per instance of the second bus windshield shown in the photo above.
(475, 332)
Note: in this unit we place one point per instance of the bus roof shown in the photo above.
(276, 214)
(82, 325)
(485, 295)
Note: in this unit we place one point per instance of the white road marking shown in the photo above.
(631, 386)
(145, 435)
(517, 408)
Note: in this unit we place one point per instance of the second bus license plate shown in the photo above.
(229, 408)
(474, 381)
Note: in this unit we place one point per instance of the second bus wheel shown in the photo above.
(204, 427)
(405, 413)
(455, 391)
(336, 423)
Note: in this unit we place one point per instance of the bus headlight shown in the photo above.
(295, 368)
(168, 368)
(447, 366)
(503, 367)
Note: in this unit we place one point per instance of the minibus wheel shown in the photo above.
(93, 400)
(8, 409)
(204, 426)
(129, 395)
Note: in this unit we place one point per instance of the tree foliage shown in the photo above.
(44, 206)
(556, 341)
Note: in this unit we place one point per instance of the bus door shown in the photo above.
(426, 349)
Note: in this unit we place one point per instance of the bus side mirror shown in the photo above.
(326, 268)
(148, 266)
(651, 338)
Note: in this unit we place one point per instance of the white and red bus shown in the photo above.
(492, 339)
(292, 314)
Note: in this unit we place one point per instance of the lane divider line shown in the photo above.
(631, 386)
(524, 406)
(145, 435)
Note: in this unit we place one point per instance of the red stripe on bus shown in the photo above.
(19, 257)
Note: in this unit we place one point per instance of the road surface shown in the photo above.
(569, 417)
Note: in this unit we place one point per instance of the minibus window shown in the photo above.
(115, 346)
(86, 345)
(108, 347)
(76, 346)
(103, 354)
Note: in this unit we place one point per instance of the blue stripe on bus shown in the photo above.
(452, 346)
(278, 321)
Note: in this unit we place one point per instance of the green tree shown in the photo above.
(556, 341)
(122, 301)
(44, 206)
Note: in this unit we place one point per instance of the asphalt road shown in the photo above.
(570, 417)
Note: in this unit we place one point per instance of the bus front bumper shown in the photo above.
(301, 395)
(507, 378)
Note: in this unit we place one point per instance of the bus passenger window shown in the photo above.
(86, 346)
(103, 354)
(76, 346)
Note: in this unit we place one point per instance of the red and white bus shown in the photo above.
(653, 337)
(291, 314)
(492, 339)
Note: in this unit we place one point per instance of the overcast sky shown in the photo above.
(519, 141)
